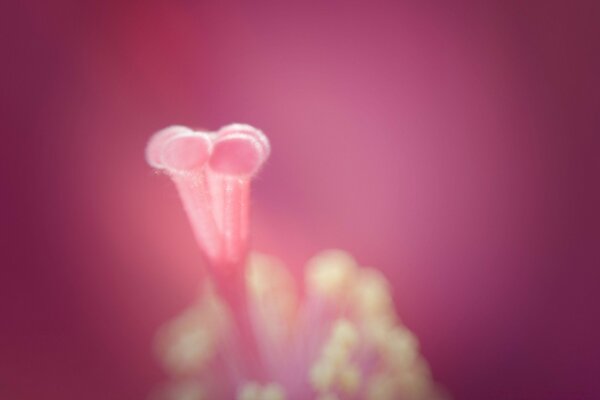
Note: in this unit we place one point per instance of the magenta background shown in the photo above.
(450, 145)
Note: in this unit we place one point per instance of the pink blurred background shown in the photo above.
(450, 144)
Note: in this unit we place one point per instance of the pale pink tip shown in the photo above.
(247, 130)
(239, 150)
(186, 151)
(156, 143)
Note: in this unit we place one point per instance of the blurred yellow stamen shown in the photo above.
(331, 274)
(254, 391)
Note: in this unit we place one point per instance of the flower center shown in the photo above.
(251, 336)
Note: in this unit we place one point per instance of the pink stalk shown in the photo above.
(238, 153)
(212, 174)
(183, 154)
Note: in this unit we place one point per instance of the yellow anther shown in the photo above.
(272, 294)
(189, 350)
(382, 386)
(372, 295)
(249, 391)
(266, 274)
(349, 379)
(400, 348)
(377, 328)
(321, 375)
(344, 333)
(272, 391)
(335, 354)
(187, 343)
(254, 391)
(331, 273)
